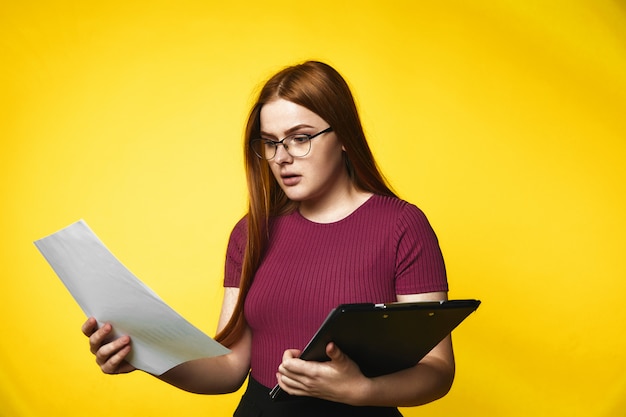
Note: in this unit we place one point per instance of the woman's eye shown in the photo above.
(300, 139)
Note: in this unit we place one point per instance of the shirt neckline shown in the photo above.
(350, 215)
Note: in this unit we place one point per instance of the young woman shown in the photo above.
(322, 229)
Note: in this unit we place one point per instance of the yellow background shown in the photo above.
(503, 120)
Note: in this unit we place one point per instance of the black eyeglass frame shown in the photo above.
(276, 143)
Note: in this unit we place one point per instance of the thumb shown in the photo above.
(333, 352)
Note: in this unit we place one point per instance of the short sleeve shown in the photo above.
(234, 254)
(420, 266)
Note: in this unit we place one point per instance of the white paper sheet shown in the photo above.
(106, 290)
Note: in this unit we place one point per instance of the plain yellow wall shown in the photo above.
(503, 120)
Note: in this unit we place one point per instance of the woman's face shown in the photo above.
(316, 178)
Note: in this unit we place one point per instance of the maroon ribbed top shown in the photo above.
(385, 247)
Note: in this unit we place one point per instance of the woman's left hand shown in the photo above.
(339, 379)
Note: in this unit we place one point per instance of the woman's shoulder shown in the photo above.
(398, 211)
(392, 204)
(239, 231)
(242, 223)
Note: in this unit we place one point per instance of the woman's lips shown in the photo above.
(290, 179)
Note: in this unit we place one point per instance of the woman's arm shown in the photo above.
(220, 374)
(341, 380)
(214, 375)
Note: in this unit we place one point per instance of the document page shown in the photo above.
(106, 290)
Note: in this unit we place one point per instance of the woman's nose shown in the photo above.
(282, 155)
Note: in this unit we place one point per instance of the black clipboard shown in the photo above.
(385, 338)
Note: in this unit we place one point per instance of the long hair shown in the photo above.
(321, 89)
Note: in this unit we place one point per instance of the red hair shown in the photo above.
(321, 89)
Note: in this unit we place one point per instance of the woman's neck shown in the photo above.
(331, 210)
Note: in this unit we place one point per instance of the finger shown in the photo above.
(291, 365)
(107, 351)
(90, 326)
(125, 368)
(289, 362)
(333, 352)
(295, 374)
(116, 363)
(290, 354)
(290, 385)
(98, 337)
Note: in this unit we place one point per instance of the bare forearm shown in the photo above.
(217, 375)
(427, 382)
(341, 380)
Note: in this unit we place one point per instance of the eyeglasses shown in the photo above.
(296, 145)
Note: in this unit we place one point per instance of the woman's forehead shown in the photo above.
(280, 115)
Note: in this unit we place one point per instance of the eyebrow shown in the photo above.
(289, 131)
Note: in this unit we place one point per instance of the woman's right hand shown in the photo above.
(110, 356)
